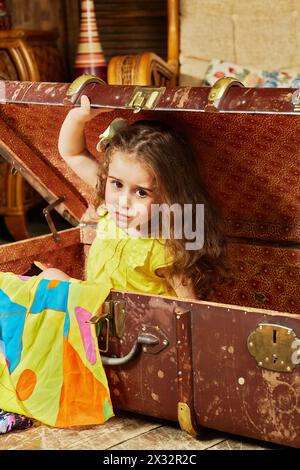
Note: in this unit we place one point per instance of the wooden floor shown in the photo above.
(124, 432)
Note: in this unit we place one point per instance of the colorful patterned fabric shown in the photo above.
(13, 422)
(250, 76)
(50, 368)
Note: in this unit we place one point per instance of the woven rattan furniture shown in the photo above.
(24, 55)
(263, 34)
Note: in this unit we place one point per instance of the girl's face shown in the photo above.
(129, 191)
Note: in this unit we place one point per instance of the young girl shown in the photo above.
(144, 164)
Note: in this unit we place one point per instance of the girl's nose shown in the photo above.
(124, 202)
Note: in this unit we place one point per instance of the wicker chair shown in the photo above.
(246, 32)
(24, 55)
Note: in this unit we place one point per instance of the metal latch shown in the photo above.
(296, 100)
(274, 347)
(102, 322)
(48, 217)
(119, 317)
(144, 98)
(111, 320)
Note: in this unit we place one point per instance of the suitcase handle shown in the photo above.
(76, 89)
(218, 92)
(142, 340)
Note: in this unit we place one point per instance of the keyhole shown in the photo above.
(274, 336)
(274, 358)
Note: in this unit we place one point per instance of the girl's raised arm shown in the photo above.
(72, 144)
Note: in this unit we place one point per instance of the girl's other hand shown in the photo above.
(84, 113)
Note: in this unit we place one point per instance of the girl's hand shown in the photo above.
(183, 289)
(84, 113)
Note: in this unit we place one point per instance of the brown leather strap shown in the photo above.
(185, 380)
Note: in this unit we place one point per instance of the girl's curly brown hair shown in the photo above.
(159, 148)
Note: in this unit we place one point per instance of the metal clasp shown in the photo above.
(144, 98)
(102, 316)
(296, 100)
(48, 217)
(113, 313)
(274, 347)
(119, 315)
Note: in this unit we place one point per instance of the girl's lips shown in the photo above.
(122, 216)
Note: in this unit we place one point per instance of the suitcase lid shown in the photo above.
(247, 141)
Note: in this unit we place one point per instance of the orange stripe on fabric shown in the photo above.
(82, 396)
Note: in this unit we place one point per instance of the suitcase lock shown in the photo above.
(113, 315)
(144, 98)
(274, 347)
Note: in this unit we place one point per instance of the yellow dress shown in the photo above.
(126, 262)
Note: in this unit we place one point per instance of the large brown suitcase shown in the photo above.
(230, 362)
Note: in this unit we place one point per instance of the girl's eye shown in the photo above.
(141, 193)
(117, 184)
